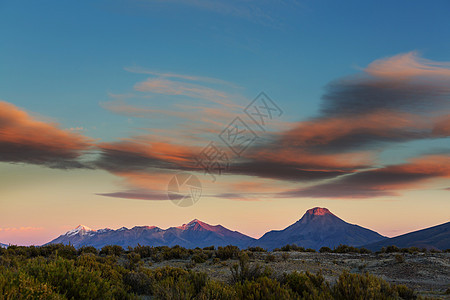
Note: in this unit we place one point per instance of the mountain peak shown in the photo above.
(79, 229)
(194, 224)
(318, 211)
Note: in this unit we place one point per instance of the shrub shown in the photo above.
(227, 252)
(292, 247)
(199, 258)
(209, 248)
(325, 250)
(364, 251)
(256, 249)
(139, 283)
(144, 251)
(263, 288)
(285, 256)
(270, 258)
(356, 286)
(217, 291)
(176, 252)
(133, 261)
(61, 250)
(175, 283)
(111, 250)
(391, 249)
(243, 271)
(345, 249)
(87, 249)
(307, 285)
(19, 285)
(79, 282)
(399, 258)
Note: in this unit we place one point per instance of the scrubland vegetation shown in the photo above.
(63, 272)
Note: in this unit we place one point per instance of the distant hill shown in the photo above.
(318, 228)
(191, 235)
(3, 245)
(436, 237)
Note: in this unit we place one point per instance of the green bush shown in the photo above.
(244, 271)
(175, 283)
(270, 258)
(217, 291)
(199, 258)
(263, 288)
(256, 249)
(111, 250)
(392, 249)
(57, 272)
(325, 250)
(307, 285)
(139, 283)
(292, 247)
(19, 285)
(227, 252)
(364, 251)
(87, 249)
(79, 282)
(345, 249)
(356, 286)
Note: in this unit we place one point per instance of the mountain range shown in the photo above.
(436, 237)
(190, 235)
(317, 228)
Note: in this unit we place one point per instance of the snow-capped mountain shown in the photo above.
(79, 230)
(193, 234)
(318, 228)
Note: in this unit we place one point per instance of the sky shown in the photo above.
(309, 103)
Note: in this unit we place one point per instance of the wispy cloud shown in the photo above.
(20, 229)
(141, 70)
(359, 117)
(395, 100)
(385, 181)
(177, 88)
(140, 195)
(407, 66)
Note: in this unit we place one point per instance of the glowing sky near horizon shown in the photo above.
(102, 102)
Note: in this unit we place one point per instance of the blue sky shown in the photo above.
(74, 63)
(62, 58)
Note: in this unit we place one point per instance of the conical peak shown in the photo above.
(318, 211)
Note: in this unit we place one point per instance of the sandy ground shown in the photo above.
(427, 273)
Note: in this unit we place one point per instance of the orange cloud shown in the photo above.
(171, 87)
(25, 139)
(385, 181)
(442, 126)
(408, 65)
(323, 131)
